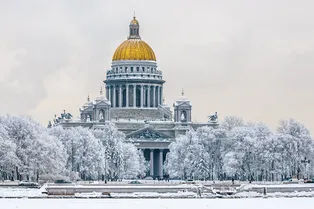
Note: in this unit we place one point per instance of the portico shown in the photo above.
(155, 146)
(156, 159)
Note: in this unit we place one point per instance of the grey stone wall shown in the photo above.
(136, 113)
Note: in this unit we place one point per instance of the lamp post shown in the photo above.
(212, 166)
(305, 161)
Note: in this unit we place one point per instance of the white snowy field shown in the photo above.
(273, 203)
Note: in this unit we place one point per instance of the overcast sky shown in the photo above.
(250, 58)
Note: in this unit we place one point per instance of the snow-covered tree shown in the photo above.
(35, 152)
(121, 159)
(83, 150)
(231, 122)
(243, 151)
(8, 158)
(298, 144)
(177, 164)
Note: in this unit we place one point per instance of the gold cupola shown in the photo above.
(134, 48)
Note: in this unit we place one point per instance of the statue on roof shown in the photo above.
(182, 117)
(213, 118)
(88, 118)
(49, 124)
(101, 115)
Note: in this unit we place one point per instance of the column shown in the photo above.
(142, 95)
(114, 96)
(106, 114)
(161, 159)
(134, 95)
(158, 96)
(120, 95)
(151, 162)
(127, 95)
(148, 96)
(154, 96)
(109, 93)
(161, 99)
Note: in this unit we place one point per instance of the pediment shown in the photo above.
(87, 109)
(148, 134)
(103, 103)
(184, 104)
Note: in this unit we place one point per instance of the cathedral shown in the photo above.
(134, 102)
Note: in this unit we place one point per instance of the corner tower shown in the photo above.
(134, 84)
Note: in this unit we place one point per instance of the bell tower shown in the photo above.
(182, 109)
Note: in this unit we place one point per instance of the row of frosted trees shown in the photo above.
(28, 151)
(239, 150)
(243, 151)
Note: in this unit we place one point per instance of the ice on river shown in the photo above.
(261, 203)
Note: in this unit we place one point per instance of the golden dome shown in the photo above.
(134, 21)
(134, 49)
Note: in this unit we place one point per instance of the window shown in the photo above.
(131, 69)
(137, 69)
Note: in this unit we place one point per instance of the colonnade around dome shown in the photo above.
(134, 95)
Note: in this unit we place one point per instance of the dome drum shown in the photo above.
(132, 69)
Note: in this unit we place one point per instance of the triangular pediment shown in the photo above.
(184, 104)
(147, 133)
(102, 103)
(87, 109)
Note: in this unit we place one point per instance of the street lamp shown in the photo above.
(212, 166)
(305, 161)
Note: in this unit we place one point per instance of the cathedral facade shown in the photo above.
(134, 101)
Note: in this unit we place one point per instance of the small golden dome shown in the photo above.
(134, 49)
(134, 21)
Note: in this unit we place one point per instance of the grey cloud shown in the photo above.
(246, 58)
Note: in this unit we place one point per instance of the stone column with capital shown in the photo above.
(161, 160)
(114, 97)
(151, 162)
(148, 96)
(109, 94)
(158, 96)
(142, 95)
(134, 95)
(120, 95)
(154, 96)
(161, 102)
(127, 95)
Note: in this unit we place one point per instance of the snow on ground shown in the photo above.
(274, 195)
(275, 203)
(140, 195)
(20, 192)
